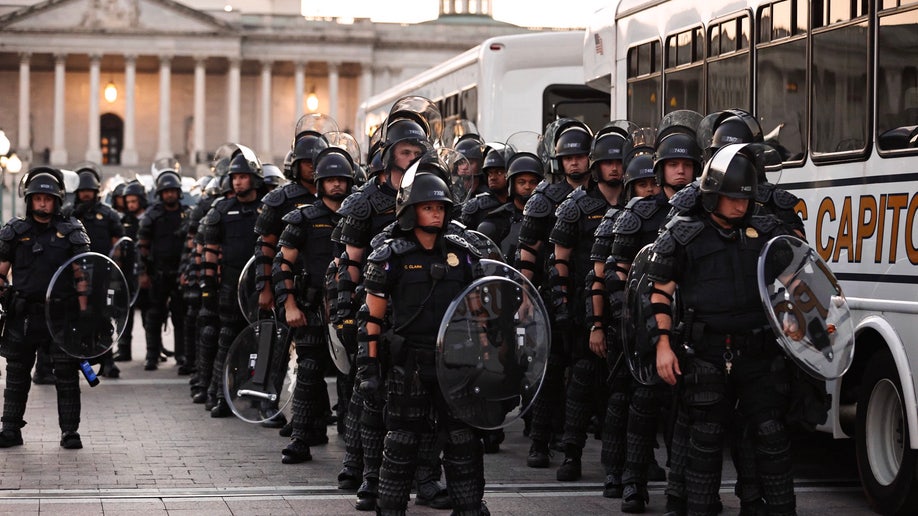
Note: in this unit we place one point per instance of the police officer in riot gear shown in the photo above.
(161, 241)
(577, 220)
(571, 152)
(274, 177)
(676, 163)
(419, 271)
(32, 249)
(365, 213)
(494, 170)
(135, 203)
(735, 359)
(102, 224)
(472, 175)
(305, 249)
(502, 225)
(229, 236)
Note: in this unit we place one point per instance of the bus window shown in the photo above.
(469, 101)
(575, 101)
(841, 82)
(781, 86)
(644, 63)
(684, 71)
(897, 82)
(729, 68)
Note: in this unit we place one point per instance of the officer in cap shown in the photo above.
(571, 154)
(135, 204)
(161, 242)
(305, 249)
(734, 356)
(102, 223)
(229, 237)
(32, 248)
(419, 264)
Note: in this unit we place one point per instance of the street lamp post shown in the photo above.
(13, 166)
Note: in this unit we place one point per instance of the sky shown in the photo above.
(528, 13)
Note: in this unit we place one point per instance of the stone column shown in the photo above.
(232, 100)
(200, 82)
(24, 145)
(333, 90)
(58, 146)
(299, 87)
(93, 152)
(129, 152)
(364, 91)
(164, 149)
(265, 130)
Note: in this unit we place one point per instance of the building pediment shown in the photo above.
(112, 16)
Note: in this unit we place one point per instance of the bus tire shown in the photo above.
(886, 465)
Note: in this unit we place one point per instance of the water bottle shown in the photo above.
(89, 373)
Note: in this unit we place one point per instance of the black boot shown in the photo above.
(10, 438)
(366, 495)
(538, 455)
(634, 499)
(570, 469)
(296, 452)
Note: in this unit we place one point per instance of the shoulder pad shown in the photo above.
(12, 228)
(356, 205)
(558, 191)
(294, 216)
(765, 224)
(401, 245)
(608, 222)
(274, 198)
(684, 229)
(665, 244)
(784, 199)
(685, 200)
(643, 207)
(155, 211)
(381, 253)
(463, 243)
(380, 201)
(73, 228)
(312, 211)
(538, 206)
(295, 191)
(590, 203)
(569, 211)
(471, 206)
(379, 238)
(627, 223)
(214, 214)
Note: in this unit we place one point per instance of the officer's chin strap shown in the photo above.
(431, 230)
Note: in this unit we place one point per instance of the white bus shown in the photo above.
(504, 85)
(835, 82)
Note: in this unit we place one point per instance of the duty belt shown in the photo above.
(758, 341)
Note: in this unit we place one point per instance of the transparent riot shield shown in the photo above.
(246, 293)
(640, 354)
(492, 349)
(124, 254)
(806, 307)
(316, 124)
(488, 248)
(336, 348)
(260, 371)
(86, 305)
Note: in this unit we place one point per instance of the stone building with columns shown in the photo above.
(124, 82)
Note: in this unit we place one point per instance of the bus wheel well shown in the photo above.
(868, 343)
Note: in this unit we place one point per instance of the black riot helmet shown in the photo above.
(471, 147)
(118, 191)
(733, 172)
(640, 167)
(167, 180)
(573, 141)
(136, 188)
(306, 148)
(422, 187)
(398, 131)
(676, 145)
(288, 165)
(376, 163)
(273, 175)
(44, 180)
(88, 180)
(726, 127)
(226, 185)
(334, 162)
(494, 158)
